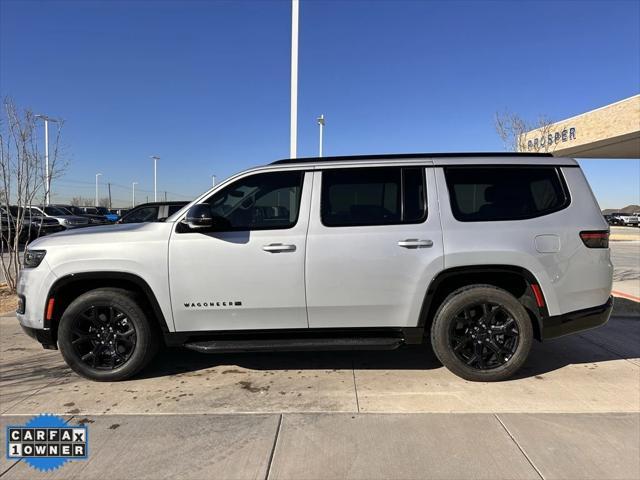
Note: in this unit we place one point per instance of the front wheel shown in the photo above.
(482, 333)
(104, 335)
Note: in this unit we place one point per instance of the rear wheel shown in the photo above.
(482, 333)
(104, 335)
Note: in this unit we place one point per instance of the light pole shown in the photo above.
(155, 177)
(133, 193)
(293, 146)
(213, 180)
(47, 179)
(321, 123)
(97, 175)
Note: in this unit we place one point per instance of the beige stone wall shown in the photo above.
(616, 126)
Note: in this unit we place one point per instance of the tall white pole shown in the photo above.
(47, 182)
(155, 177)
(321, 123)
(213, 180)
(133, 193)
(293, 147)
(97, 175)
(47, 173)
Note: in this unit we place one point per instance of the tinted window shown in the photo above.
(55, 211)
(259, 202)
(144, 214)
(372, 196)
(504, 193)
(174, 208)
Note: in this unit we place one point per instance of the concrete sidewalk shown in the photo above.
(352, 446)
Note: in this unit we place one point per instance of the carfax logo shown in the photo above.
(46, 442)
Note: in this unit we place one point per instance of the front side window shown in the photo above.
(483, 194)
(373, 196)
(264, 201)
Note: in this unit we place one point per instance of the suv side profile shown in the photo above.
(475, 254)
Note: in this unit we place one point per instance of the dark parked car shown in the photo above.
(152, 212)
(94, 218)
(33, 226)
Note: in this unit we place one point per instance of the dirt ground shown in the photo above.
(8, 301)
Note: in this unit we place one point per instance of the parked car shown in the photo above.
(119, 211)
(611, 220)
(152, 212)
(626, 219)
(94, 219)
(101, 211)
(477, 255)
(62, 216)
(34, 224)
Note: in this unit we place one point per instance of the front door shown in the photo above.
(374, 244)
(248, 271)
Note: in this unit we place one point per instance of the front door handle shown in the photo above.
(415, 243)
(278, 247)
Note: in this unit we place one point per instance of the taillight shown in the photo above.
(596, 238)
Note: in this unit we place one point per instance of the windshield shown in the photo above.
(91, 210)
(55, 211)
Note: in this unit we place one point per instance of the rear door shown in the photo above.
(373, 246)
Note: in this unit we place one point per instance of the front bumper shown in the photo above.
(577, 321)
(45, 337)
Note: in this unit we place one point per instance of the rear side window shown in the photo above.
(484, 194)
(373, 196)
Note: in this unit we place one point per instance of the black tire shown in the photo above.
(478, 343)
(81, 334)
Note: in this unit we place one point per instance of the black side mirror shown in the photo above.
(199, 217)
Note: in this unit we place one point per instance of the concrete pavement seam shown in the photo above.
(273, 448)
(519, 447)
(355, 386)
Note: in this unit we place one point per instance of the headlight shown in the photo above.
(32, 258)
(65, 221)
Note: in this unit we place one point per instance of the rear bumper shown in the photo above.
(577, 321)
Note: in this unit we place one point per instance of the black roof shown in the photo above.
(405, 156)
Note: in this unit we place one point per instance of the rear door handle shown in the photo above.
(415, 243)
(278, 247)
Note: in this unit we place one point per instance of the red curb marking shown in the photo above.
(626, 295)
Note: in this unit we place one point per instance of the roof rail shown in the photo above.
(405, 156)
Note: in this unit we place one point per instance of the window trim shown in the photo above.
(557, 169)
(402, 168)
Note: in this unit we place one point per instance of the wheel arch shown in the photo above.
(69, 287)
(516, 280)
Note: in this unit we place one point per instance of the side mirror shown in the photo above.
(199, 217)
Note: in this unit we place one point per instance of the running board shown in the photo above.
(300, 344)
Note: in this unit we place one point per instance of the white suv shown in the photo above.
(477, 254)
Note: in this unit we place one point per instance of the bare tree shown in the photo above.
(81, 201)
(21, 181)
(519, 135)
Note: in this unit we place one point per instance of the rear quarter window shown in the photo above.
(485, 194)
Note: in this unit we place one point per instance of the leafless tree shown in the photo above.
(81, 201)
(21, 180)
(519, 135)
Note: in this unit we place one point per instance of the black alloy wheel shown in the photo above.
(103, 337)
(484, 336)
